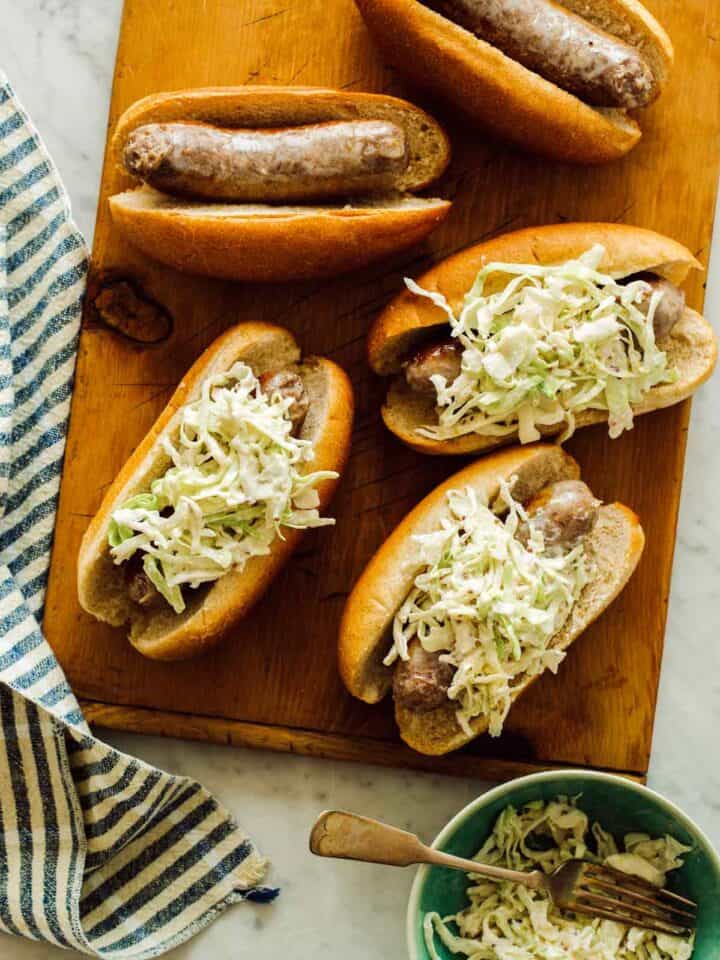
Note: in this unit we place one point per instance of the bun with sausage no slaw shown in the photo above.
(267, 184)
(555, 78)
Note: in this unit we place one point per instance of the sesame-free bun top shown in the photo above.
(501, 94)
(265, 242)
(410, 320)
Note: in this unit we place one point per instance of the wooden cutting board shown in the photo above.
(274, 683)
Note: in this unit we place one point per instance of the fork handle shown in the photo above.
(535, 879)
(348, 836)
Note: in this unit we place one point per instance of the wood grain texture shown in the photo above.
(306, 743)
(278, 669)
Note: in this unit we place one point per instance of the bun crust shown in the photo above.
(513, 102)
(162, 634)
(409, 320)
(265, 244)
(262, 242)
(615, 544)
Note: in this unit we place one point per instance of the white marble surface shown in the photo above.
(59, 56)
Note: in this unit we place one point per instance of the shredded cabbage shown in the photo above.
(491, 604)
(551, 342)
(235, 481)
(506, 921)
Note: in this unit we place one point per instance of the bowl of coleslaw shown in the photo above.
(537, 822)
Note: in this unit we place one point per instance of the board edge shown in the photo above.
(313, 743)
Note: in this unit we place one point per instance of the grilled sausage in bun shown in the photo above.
(275, 183)
(538, 333)
(479, 590)
(556, 78)
(214, 500)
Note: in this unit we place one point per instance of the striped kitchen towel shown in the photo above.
(98, 851)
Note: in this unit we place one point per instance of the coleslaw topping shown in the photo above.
(551, 342)
(491, 604)
(234, 482)
(506, 921)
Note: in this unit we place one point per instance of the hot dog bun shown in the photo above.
(513, 102)
(407, 320)
(264, 242)
(162, 634)
(615, 544)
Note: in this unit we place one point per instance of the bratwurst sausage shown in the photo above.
(560, 46)
(669, 310)
(288, 384)
(564, 512)
(443, 359)
(422, 681)
(199, 161)
(140, 588)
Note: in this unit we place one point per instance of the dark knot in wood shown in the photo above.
(120, 304)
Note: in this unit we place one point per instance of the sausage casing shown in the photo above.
(199, 161)
(442, 359)
(422, 681)
(139, 586)
(560, 46)
(564, 512)
(670, 308)
(289, 385)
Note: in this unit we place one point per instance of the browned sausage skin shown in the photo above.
(442, 359)
(422, 681)
(560, 46)
(288, 384)
(564, 512)
(139, 586)
(333, 159)
(670, 308)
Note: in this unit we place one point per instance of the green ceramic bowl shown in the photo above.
(619, 805)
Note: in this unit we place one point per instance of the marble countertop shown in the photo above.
(59, 55)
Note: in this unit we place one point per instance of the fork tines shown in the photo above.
(614, 895)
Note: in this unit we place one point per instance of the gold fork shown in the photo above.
(596, 891)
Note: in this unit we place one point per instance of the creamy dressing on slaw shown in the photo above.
(235, 481)
(489, 604)
(506, 921)
(552, 342)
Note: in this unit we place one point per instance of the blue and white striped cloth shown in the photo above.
(98, 851)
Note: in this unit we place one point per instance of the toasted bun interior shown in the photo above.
(161, 633)
(365, 636)
(149, 200)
